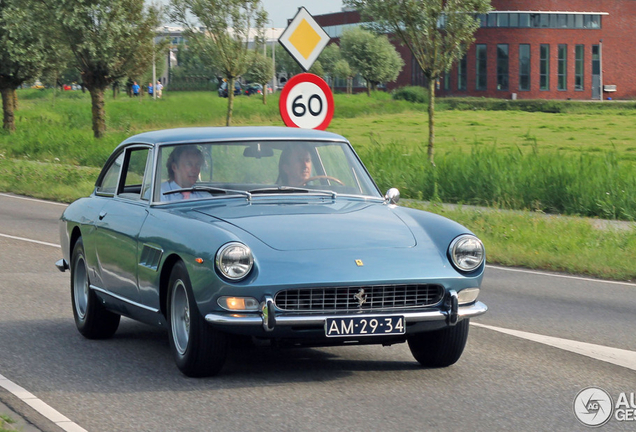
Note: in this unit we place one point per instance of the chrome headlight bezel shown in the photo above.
(234, 261)
(467, 253)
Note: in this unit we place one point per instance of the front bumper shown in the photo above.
(270, 319)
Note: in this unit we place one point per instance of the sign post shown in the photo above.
(306, 100)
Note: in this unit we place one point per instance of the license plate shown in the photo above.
(364, 326)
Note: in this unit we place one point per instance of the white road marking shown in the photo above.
(41, 407)
(617, 356)
(33, 199)
(560, 275)
(30, 240)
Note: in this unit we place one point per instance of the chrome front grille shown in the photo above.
(368, 298)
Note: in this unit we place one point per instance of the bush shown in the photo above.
(411, 94)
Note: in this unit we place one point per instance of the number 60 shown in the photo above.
(299, 109)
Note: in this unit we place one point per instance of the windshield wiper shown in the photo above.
(291, 189)
(211, 190)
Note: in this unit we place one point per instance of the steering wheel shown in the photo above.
(320, 177)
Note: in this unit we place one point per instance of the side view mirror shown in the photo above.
(392, 196)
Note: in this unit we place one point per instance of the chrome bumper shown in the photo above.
(269, 320)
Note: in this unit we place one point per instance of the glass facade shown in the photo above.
(562, 74)
(524, 67)
(481, 81)
(579, 61)
(502, 67)
(462, 74)
(544, 67)
(572, 20)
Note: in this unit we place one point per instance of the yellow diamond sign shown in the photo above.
(304, 39)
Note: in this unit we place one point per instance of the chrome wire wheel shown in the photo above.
(180, 317)
(80, 288)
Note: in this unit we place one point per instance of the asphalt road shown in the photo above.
(130, 383)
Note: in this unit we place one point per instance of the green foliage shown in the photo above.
(552, 182)
(411, 94)
(527, 239)
(374, 57)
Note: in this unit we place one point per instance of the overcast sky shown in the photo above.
(280, 10)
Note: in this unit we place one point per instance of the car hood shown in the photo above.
(306, 225)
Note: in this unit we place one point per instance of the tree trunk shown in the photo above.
(99, 114)
(230, 101)
(431, 120)
(7, 107)
(368, 88)
(15, 100)
(265, 94)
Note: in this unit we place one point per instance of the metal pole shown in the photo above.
(154, 70)
(274, 59)
(600, 60)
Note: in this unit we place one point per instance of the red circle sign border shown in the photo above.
(301, 78)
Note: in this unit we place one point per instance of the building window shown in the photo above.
(524, 67)
(461, 74)
(481, 70)
(544, 67)
(447, 79)
(579, 51)
(596, 60)
(562, 72)
(570, 20)
(502, 67)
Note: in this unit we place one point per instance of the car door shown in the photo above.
(119, 223)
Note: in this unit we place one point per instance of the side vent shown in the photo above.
(150, 257)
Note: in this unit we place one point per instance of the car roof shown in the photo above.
(230, 133)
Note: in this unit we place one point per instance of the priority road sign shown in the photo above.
(304, 39)
(306, 102)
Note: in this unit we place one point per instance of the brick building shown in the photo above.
(536, 49)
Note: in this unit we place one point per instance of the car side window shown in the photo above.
(108, 185)
(132, 177)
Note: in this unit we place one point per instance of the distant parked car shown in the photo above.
(237, 89)
(250, 89)
(274, 233)
(37, 85)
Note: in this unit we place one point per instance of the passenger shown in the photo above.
(184, 166)
(294, 166)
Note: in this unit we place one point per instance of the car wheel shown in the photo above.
(439, 348)
(91, 318)
(198, 349)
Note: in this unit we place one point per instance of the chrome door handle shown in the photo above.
(102, 215)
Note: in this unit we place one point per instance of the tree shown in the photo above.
(261, 72)
(329, 57)
(21, 53)
(374, 57)
(222, 31)
(437, 32)
(110, 39)
(342, 69)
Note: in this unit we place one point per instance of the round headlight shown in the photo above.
(467, 252)
(234, 260)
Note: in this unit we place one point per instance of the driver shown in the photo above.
(294, 166)
(184, 165)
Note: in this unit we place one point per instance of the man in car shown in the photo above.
(294, 166)
(184, 166)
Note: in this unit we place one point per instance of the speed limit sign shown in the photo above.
(306, 102)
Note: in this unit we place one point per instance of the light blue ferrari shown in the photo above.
(277, 234)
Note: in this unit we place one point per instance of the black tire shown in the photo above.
(440, 348)
(91, 318)
(198, 349)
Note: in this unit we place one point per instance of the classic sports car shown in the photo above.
(268, 233)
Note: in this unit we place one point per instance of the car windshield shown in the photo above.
(203, 171)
